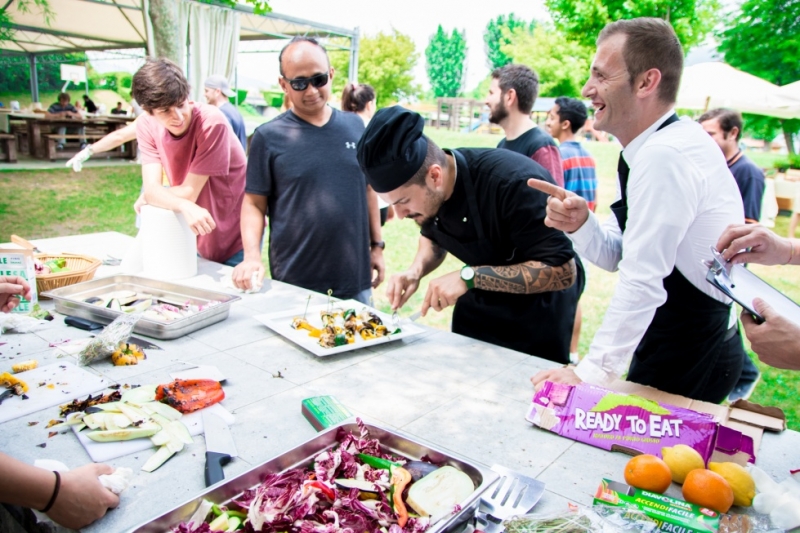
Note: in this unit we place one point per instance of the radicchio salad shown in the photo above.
(353, 487)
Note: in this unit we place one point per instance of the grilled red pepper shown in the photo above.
(187, 395)
(326, 490)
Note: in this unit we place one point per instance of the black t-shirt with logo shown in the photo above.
(317, 200)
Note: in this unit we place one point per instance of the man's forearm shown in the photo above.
(530, 277)
(252, 227)
(429, 256)
(158, 196)
(374, 213)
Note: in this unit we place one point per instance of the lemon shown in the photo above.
(740, 480)
(681, 460)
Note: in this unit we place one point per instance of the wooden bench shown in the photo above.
(125, 151)
(54, 139)
(9, 144)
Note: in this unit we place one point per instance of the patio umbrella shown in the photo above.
(709, 85)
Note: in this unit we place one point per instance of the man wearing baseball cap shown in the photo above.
(519, 285)
(217, 91)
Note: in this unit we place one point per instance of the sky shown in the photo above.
(416, 18)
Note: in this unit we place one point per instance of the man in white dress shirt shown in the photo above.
(665, 326)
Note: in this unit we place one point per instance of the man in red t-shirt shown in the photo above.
(202, 158)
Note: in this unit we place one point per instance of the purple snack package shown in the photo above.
(615, 421)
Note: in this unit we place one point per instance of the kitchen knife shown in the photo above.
(220, 447)
(140, 342)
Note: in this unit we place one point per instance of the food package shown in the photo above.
(577, 519)
(625, 422)
(104, 344)
(20, 262)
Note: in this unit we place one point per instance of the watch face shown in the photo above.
(467, 273)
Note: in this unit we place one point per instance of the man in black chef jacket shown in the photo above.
(665, 326)
(517, 287)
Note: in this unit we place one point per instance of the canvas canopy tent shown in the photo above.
(710, 85)
(81, 25)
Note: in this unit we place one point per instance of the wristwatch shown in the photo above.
(378, 244)
(468, 275)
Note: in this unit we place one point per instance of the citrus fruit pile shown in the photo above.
(718, 487)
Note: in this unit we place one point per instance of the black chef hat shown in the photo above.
(392, 148)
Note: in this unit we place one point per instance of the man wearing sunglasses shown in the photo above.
(325, 231)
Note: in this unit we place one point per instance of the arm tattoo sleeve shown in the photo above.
(526, 278)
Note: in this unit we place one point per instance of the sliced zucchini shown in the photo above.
(157, 459)
(363, 486)
(145, 430)
(140, 395)
(436, 494)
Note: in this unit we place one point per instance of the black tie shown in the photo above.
(623, 170)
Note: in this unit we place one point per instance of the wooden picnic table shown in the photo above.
(460, 394)
(38, 125)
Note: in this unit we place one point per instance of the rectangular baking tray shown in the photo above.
(281, 323)
(70, 301)
(391, 440)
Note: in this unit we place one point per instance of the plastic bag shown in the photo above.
(104, 344)
(583, 520)
(19, 323)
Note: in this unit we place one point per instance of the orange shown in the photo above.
(648, 472)
(708, 489)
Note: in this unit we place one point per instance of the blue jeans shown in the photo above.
(235, 259)
(364, 296)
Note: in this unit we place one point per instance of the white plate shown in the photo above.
(281, 323)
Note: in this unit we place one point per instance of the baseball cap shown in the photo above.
(218, 82)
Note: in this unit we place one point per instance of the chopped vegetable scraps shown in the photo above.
(11, 382)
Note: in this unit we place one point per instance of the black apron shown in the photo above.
(688, 348)
(536, 324)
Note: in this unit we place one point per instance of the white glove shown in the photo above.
(77, 162)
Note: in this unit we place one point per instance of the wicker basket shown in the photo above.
(81, 268)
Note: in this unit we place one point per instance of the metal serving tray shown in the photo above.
(70, 301)
(394, 441)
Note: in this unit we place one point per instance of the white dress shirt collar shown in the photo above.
(629, 152)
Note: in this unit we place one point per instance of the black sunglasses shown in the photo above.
(301, 84)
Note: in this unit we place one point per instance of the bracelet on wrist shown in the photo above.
(55, 493)
(378, 244)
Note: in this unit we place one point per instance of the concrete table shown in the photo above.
(460, 394)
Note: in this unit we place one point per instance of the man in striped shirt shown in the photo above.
(564, 120)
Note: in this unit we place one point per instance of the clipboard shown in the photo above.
(742, 286)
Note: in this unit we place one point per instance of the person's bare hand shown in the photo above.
(11, 288)
(82, 499)
(378, 266)
(137, 205)
(198, 218)
(557, 375)
(753, 243)
(243, 273)
(400, 287)
(443, 292)
(776, 341)
(565, 210)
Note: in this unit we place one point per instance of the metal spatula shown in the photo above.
(514, 494)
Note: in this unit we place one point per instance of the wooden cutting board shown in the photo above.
(63, 382)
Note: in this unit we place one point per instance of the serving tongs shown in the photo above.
(514, 494)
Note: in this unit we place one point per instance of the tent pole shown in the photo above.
(353, 74)
(34, 78)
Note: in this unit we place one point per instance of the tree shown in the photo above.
(582, 20)
(445, 62)
(562, 65)
(763, 39)
(497, 35)
(385, 61)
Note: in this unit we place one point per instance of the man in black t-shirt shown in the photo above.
(512, 93)
(518, 286)
(302, 172)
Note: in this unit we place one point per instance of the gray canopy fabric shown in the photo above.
(77, 25)
(80, 25)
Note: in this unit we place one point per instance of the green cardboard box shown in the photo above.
(671, 515)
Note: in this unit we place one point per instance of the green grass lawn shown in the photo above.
(37, 204)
